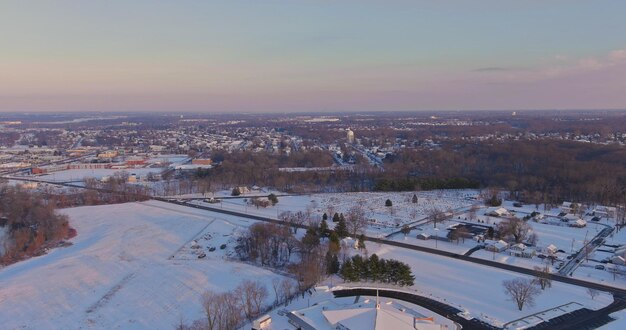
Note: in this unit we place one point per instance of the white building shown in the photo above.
(364, 315)
(350, 136)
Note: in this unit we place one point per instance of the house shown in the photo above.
(620, 251)
(262, 322)
(580, 223)
(618, 260)
(521, 250)
(550, 249)
(243, 190)
(605, 211)
(499, 212)
(423, 236)
(569, 207)
(496, 246)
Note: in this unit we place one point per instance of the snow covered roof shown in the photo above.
(518, 246)
(383, 317)
(551, 248)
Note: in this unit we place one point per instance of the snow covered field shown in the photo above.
(118, 273)
(478, 289)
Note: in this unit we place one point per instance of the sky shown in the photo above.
(322, 56)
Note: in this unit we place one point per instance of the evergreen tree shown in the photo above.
(383, 271)
(374, 267)
(405, 277)
(336, 217)
(273, 198)
(323, 228)
(348, 272)
(332, 263)
(333, 244)
(414, 199)
(359, 265)
(361, 242)
(341, 229)
(310, 239)
(388, 203)
(324, 216)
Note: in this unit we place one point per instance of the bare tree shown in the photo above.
(522, 291)
(435, 215)
(251, 294)
(213, 308)
(472, 212)
(287, 290)
(222, 310)
(543, 277)
(514, 227)
(462, 233)
(593, 293)
(355, 220)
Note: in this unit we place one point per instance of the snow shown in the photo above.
(478, 289)
(385, 220)
(460, 248)
(118, 273)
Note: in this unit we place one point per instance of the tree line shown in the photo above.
(31, 223)
(376, 269)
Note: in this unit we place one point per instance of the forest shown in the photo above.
(544, 171)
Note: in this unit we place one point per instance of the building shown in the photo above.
(368, 314)
(350, 136)
(496, 246)
(262, 323)
(521, 250)
(498, 212)
(198, 161)
(107, 154)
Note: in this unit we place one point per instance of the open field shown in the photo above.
(118, 273)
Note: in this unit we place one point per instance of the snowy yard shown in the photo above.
(118, 275)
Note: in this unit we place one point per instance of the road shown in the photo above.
(619, 294)
(484, 262)
(590, 247)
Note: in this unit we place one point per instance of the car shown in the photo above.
(201, 255)
(517, 204)
(601, 267)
